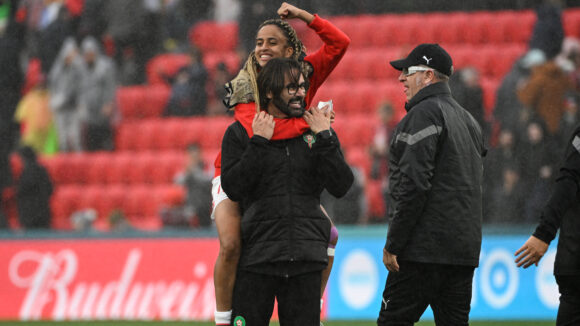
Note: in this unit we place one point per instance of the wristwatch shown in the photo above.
(324, 134)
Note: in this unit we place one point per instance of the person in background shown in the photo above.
(505, 202)
(197, 183)
(468, 93)
(561, 212)
(435, 197)
(64, 86)
(36, 120)
(188, 90)
(33, 191)
(97, 97)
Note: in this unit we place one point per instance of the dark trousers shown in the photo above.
(446, 288)
(298, 299)
(569, 309)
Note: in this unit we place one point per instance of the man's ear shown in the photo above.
(429, 77)
(269, 95)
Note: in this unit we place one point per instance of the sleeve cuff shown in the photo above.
(259, 139)
(316, 23)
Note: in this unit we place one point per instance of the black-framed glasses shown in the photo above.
(293, 88)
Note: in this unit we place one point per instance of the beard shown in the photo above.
(285, 107)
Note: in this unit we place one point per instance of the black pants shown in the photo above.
(298, 299)
(446, 288)
(569, 309)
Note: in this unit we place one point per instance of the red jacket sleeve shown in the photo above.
(326, 57)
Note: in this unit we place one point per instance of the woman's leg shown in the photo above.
(331, 246)
(227, 220)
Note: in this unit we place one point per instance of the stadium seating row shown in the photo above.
(176, 134)
(479, 27)
(123, 167)
(354, 96)
(162, 66)
(492, 61)
(171, 133)
(139, 203)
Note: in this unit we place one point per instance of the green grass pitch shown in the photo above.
(326, 323)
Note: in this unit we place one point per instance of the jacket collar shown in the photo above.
(439, 88)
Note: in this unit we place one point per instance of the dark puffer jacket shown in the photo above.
(435, 196)
(278, 184)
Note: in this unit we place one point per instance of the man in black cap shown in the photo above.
(434, 197)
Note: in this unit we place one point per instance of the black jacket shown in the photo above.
(278, 184)
(563, 212)
(435, 196)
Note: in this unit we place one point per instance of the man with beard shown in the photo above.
(278, 185)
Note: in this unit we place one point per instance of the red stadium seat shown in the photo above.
(571, 22)
(358, 156)
(214, 36)
(164, 66)
(474, 32)
(97, 168)
(129, 101)
(64, 202)
(113, 198)
(119, 167)
(448, 29)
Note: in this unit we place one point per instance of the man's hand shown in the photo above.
(531, 252)
(390, 261)
(288, 11)
(263, 125)
(318, 119)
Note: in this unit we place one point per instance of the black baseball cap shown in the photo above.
(427, 54)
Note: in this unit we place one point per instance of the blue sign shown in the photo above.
(501, 290)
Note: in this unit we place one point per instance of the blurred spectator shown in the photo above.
(36, 121)
(508, 108)
(55, 24)
(570, 120)
(93, 20)
(118, 221)
(83, 220)
(12, 37)
(197, 183)
(188, 91)
(379, 148)
(506, 200)
(64, 84)
(548, 32)
(220, 78)
(132, 26)
(467, 91)
(174, 212)
(569, 60)
(97, 97)
(352, 207)
(544, 93)
(498, 159)
(538, 194)
(533, 153)
(177, 17)
(33, 192)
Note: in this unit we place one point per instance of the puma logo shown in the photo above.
(427, 59)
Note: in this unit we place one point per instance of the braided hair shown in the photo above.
(252, 65)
